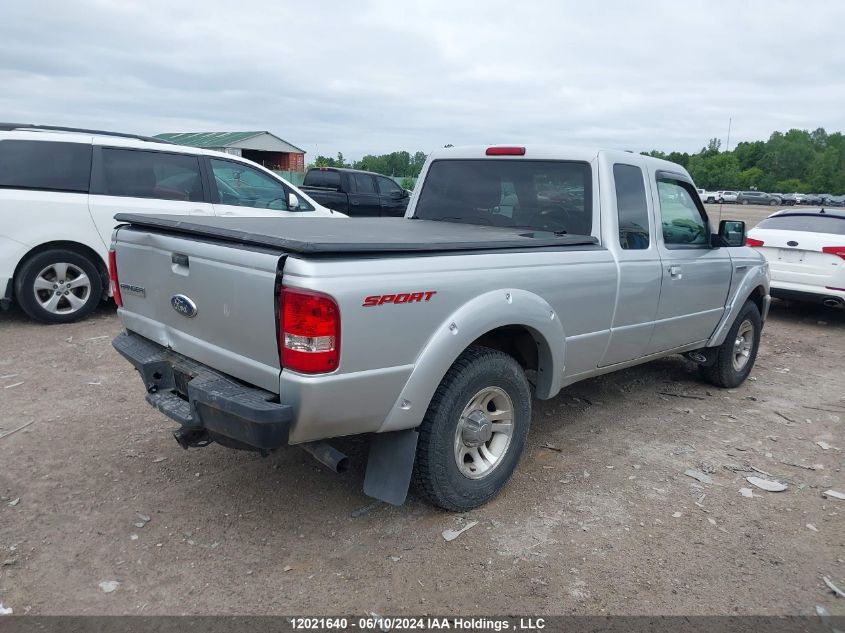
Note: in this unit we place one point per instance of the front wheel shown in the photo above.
(735, 357)
(474, 431)
(745, 202)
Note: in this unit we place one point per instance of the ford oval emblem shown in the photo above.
(184, 305)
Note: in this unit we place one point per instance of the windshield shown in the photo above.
(531, 194)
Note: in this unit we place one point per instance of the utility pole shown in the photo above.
(728, 144)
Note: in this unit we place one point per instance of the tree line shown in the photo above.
(794, 161)
(396, 164)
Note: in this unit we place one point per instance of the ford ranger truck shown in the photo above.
(516, 272)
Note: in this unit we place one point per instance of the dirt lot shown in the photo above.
(608, 525)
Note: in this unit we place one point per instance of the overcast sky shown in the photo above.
(372, 77)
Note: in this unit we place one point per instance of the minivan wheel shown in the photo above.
(474, 431)
(735, 357)
(745, 202)
(58, 286)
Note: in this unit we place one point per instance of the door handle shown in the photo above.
(355, 203)
(675, 272)
(741, 267)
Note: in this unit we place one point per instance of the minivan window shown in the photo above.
(543, 195)
(683, 221)
(47, 165)
(243, 186)
(834, 225)
(631, 207)
(142, 174)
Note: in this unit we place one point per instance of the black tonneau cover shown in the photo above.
(355, 235)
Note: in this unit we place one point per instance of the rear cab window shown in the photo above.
(541, 195)
(805, 222)
(631, 207)
(144, 174)
(323, 178)
(45, 165)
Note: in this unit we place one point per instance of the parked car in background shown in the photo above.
(60, 189)
(756, 197)
(835, 201)
(355, 192)
(811, 199)
(707, 196)
(805, 249)
(786, 199)
(727, 197)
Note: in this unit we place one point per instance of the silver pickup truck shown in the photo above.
(516, 272)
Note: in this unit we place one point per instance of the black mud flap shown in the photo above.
(390, 465)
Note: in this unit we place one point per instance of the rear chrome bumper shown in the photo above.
(204, 401)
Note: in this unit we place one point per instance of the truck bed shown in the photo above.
(334, 236)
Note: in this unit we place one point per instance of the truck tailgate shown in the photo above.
(231, 289)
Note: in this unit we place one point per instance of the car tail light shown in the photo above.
(752, 242)
(835, 250)
(115, 284)
(309, 331)
(506, 151)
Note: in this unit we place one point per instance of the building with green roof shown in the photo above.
(263, 148)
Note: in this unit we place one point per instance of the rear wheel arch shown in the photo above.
(526, 345)
(78, 247)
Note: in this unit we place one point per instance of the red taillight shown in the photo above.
(115, 284)
(309, 331)
(506, 151)
(752, 242)
(834, 250)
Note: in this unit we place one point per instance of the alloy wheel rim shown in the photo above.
(484, 433)
(743, 343)
(62, 288)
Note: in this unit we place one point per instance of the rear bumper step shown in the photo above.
(209, 405)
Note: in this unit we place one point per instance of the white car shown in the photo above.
(805, 249)
(708, 197)
(61, 187)
(727, 196)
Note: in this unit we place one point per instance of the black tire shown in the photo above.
(27, 295)
(745, 202)
(437, 477)
(723, 372)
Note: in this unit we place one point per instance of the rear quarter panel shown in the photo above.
(400, 352)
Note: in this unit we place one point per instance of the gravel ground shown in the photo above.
(607, 524)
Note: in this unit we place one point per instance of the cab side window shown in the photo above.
(683, 219)
(363, 183)
(387, 186)
(631, 207)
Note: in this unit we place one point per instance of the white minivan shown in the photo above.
(61, 187)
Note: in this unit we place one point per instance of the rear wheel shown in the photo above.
(474, 431)
(735, 357)
(745, 202)
(58, 286)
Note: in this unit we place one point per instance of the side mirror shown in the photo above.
(397, 195)
(293, 201)
(731, 233)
